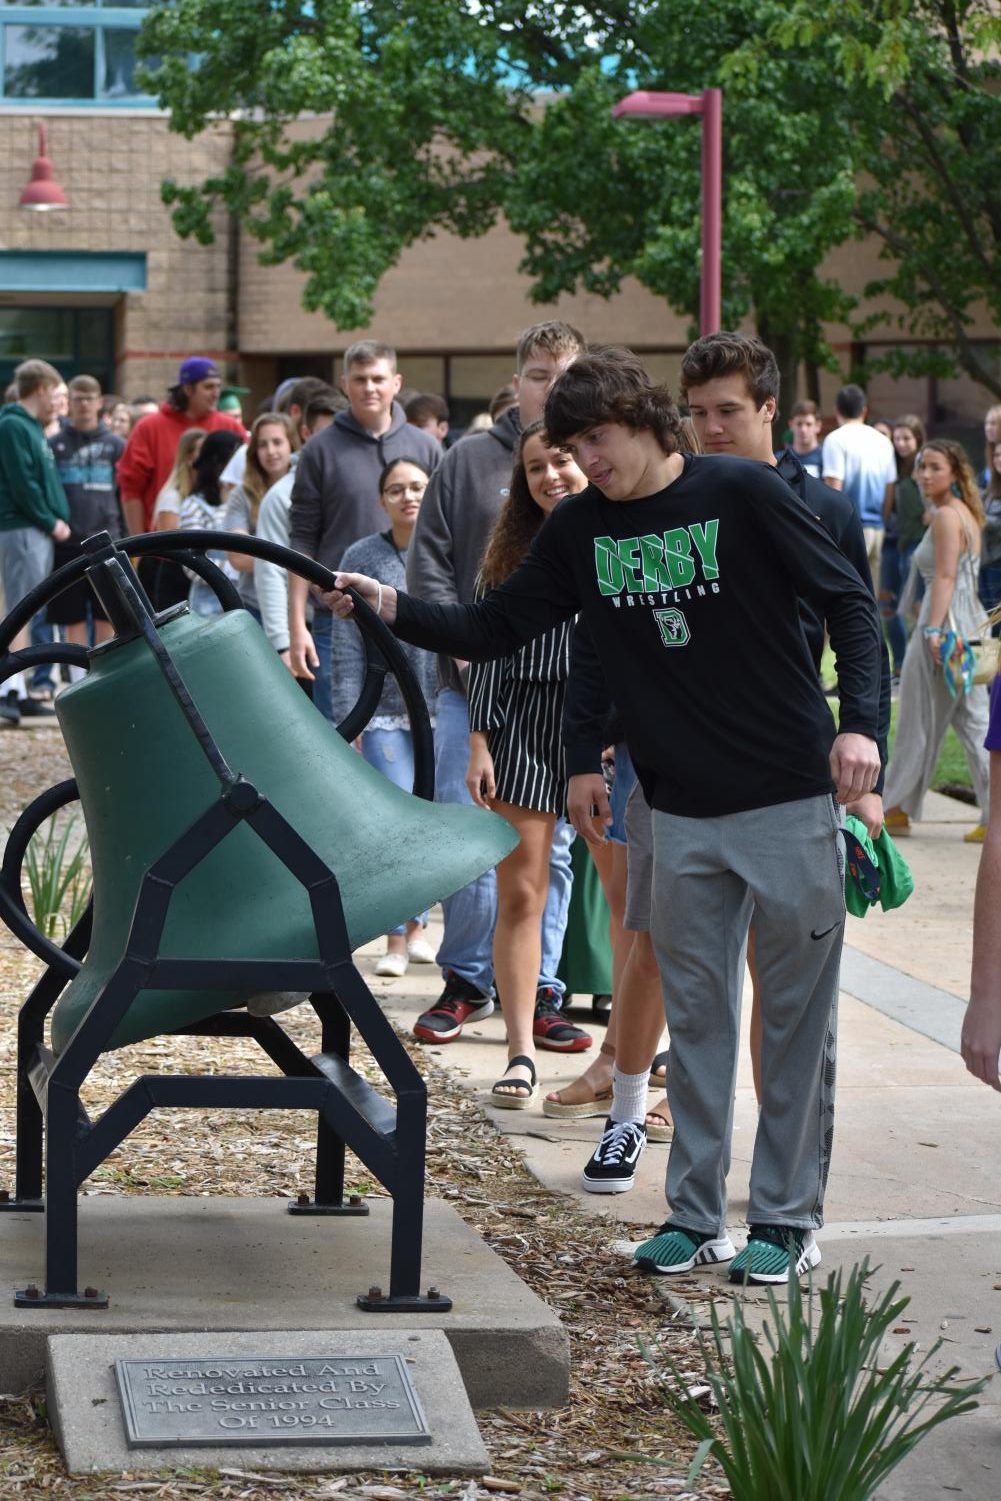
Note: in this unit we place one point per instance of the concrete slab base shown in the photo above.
(246, 1265)
(86, 1413)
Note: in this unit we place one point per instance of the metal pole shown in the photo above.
(710, 311)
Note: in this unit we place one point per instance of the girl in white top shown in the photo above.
(202, 510)
(180, 483)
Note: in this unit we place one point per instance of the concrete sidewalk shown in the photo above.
(915, 1178)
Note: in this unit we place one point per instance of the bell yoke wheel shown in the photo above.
(383, 655)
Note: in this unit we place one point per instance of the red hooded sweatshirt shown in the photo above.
(145, 466)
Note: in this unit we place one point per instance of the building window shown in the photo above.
(74, 52)
(77, 340)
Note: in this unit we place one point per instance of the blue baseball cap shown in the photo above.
(195, 368)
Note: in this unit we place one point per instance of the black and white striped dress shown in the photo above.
(518, 703)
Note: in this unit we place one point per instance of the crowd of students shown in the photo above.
(598, 595)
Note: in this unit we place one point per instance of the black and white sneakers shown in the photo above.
(612, 1168)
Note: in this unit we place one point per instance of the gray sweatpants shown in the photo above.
(784, 864)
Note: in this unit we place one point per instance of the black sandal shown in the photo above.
(505, 1099)
(659, 1063)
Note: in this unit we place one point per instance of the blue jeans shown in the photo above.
(990, 588)
(894, 566)
(203, 600)
(467, 944)
(622, 784)
(392, 753)
(42, 634)
(322, 633)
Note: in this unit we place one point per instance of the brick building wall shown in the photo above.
(110, 167)
(451, 307)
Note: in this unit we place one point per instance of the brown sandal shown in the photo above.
(561, 1109)
(663, 1130)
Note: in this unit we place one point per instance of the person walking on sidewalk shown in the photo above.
(34, 514)
(271, 579)
(387, 742)
(731, 383)
(859, 460)
(87, 455)
(689, 572)
(933, 692)
(335, 494)
(463, 501)
(516, 764)
(149, 455)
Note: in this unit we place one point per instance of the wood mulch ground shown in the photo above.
(613, 1440)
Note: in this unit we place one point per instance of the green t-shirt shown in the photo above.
(909, 506)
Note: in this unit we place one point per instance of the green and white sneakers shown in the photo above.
(769, 1251)
(673, 1250)
(765, 1259)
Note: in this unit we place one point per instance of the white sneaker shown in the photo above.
(419, 951)
(392, 966)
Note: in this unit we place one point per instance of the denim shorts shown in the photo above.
(622, 784)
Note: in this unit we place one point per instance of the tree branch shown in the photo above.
(904, 251)
(960, 205)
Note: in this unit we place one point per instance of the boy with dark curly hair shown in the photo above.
(689, 572)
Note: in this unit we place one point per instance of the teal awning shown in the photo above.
(72, 271)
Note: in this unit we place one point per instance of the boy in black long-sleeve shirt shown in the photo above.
(731, 382)
(688, 573)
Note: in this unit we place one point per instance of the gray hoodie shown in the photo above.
(456, 518)
(335, 497)
(377, 557)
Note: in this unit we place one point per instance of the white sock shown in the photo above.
(628, 1095)
(76, 673)
(15, 684)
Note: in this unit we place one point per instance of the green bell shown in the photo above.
(143, 780)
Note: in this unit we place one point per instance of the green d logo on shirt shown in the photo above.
(673, 627)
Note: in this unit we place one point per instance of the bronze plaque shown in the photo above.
(218, 1401)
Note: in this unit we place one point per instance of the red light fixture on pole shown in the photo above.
(710, 106)
(43, 191)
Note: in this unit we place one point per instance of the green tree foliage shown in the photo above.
(601, 199)
(423, 122)
(925, 78)
(362, 127)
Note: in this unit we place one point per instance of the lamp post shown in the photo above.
(709, 105)
(43, 191)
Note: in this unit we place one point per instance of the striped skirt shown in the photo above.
(527, 751)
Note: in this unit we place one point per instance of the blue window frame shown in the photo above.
(71, 52)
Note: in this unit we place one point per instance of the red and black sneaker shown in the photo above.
(552, 1031)
(458, 1003)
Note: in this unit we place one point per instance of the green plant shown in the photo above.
(57, 865)
(806, 1413)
